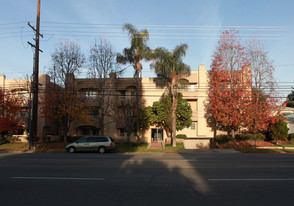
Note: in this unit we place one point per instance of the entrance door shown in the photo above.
(157, 135)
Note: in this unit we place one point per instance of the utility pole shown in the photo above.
(35, 84)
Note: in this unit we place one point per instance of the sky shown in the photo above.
(197, 23)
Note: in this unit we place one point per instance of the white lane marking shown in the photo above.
(58, 178)
(290, 179)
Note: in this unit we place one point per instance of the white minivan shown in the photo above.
(99, 144)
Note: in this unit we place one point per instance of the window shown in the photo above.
(90, 94)
(92, 139)
(103, 139)
(122, 132)
(191, 87)
(133, 93)
(86, 131)
(97, 139)
(82, 140)
(122, 93)
(193, 104)
(24, 95)
(192, 126)
(95, 131)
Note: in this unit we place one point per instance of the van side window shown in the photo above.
(92, 139)
(103, 139)
(97, 139)
(82, 140)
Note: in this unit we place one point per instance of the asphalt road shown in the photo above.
(202, 178)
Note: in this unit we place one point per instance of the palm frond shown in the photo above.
(180, 51)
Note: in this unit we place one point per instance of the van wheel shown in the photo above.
(71, 150)
(101, 150)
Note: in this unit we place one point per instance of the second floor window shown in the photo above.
(90, 94)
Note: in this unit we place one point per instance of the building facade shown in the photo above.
(21, 88)
(113, 96)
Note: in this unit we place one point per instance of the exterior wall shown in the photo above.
(21, 87)
(150, 92)
(203, 130)
(291, 127)
(200, 143)
(196, 95)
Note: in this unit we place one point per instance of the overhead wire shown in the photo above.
(79, 30)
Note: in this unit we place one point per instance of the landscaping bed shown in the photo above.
(246, 144)
(249, 146)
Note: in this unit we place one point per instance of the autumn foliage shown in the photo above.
(232, 102)
(9, 107)
(64, 106)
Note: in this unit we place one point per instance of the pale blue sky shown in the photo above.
(195, 22)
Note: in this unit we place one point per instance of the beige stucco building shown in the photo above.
(21, 88)
(119, 90)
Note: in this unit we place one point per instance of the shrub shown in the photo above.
(181, 136)
(249, 136)
(242, 137)
(8, 139)
(291, 136)
(222, 139)
(277, 131)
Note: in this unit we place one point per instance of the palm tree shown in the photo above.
(134, 55)
(171, 71)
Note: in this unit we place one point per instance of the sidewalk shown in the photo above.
(207, 151)
(276, 147)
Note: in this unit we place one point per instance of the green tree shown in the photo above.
(277, 130)
(290, 99)
(134, 55)
(161, 114)
(171, 71)
(145, 117)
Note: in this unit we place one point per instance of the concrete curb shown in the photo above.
(277, 147)
(207, 151)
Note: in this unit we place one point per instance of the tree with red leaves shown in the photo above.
(261, 112)
(264, 104)
(9, 107)
(237, 96)
(229, 84)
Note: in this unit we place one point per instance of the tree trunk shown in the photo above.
(129, 137)
(137, 109)
(174, 121)
(65, 137)
(102, 116)
(233, 133)
(102, 125)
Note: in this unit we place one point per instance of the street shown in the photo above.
(200, 178)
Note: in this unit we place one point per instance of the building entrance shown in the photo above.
(157, 135)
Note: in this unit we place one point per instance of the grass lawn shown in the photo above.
(287, 145)
(125, 148)
(59, 147)
(14, 147)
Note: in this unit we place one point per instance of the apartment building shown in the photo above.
(121, 90)
(21, 88)
(117, 92)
